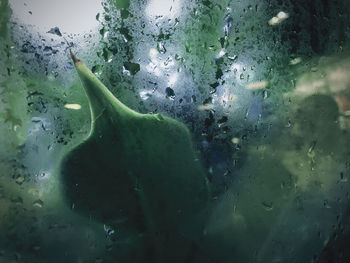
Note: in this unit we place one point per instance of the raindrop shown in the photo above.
(178, 57)
(145, 95)
(47, 49)
(20, 180)
(55, 31)
(107, 55)
(110, 232)
(125, 32)
(188, 48)
(103, 32)
(233, 58)
(311, 149)
(268, 206)
(222, 120)
(265, 94)
(193, 99)
(131, 68)
(96, 69)
(228, 24)
(170, 94)
(160, 47)
(38, 203)
(326, 204)
(27, 48)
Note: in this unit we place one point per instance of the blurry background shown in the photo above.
(263, 86)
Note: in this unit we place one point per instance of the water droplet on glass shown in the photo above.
(222, 121)
(55, 31)
(96, 69)
(326, 204)
(265, 94)
(38, 203)
(188, 48)
(233, 58)
(145, 95)
(193, 99)
(125, 32)
(268, 206)
(107, 55)
(311, 149)
(170, 93)
(131, 68)
(20, 180)
(110, 232)
(103, 32)
(160, 47)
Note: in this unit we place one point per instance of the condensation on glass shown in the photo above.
(263, 87)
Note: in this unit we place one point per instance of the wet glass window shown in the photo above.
(204, 131)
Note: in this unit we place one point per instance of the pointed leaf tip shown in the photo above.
(74, 58)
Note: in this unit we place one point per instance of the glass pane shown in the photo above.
(224, 138)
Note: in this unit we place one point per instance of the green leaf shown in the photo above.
(141, 167)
